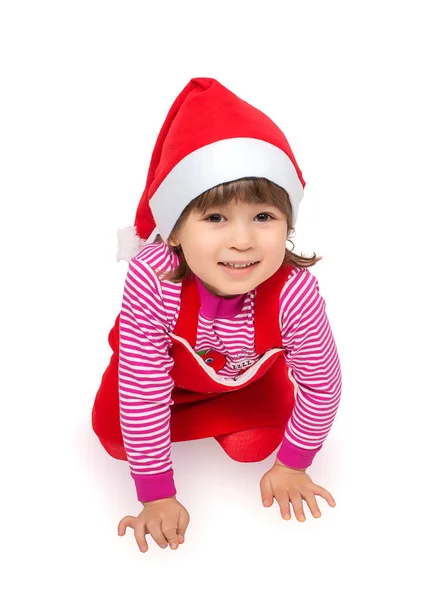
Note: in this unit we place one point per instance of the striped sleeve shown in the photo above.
(312, 357)
(145, 385)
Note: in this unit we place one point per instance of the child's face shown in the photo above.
(237, 233)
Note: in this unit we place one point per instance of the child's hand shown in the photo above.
(293, 485)
(165, 520)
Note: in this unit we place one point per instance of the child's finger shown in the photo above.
(170, 532)
(320, 491)
(155, 530)
(297, 502)
(282, 499)
(140, 538)
(312, 503)
(266, 491)
(182, 525)
(125, 522)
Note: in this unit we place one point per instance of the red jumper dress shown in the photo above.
(205, 403)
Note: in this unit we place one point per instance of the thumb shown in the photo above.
(182, 525)
(266, 491)
(125, 522)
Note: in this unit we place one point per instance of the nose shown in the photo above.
(241, 236)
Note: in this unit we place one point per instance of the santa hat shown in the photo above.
(210, 136)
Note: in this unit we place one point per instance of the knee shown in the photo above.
(251, 445)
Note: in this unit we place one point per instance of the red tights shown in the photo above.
(251, 445)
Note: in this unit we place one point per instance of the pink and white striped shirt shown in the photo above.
(150, 309)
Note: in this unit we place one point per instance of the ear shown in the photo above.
(171, 241)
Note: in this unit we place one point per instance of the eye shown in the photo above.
(209, 218)
(266, 215)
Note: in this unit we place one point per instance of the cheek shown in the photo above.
(195, 254)
(275, 244)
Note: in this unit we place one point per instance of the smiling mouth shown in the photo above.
(239, 265)
(238, 268)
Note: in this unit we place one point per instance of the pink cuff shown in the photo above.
(294, 457)
(154, 487)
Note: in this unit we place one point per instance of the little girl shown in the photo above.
(222, 332)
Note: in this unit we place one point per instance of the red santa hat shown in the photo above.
(210, 136)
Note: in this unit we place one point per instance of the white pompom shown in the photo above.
(129, 244)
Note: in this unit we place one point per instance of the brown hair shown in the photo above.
(250, 190)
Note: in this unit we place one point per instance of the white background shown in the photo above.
(86, 87)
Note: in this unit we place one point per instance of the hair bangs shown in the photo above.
(248, 190)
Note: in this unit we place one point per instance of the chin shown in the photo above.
(238, 289)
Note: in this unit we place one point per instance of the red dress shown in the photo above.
(203, 406)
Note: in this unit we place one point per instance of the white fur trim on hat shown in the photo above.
(129, 244)
(224, 160)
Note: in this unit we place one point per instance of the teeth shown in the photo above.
(236, 266)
